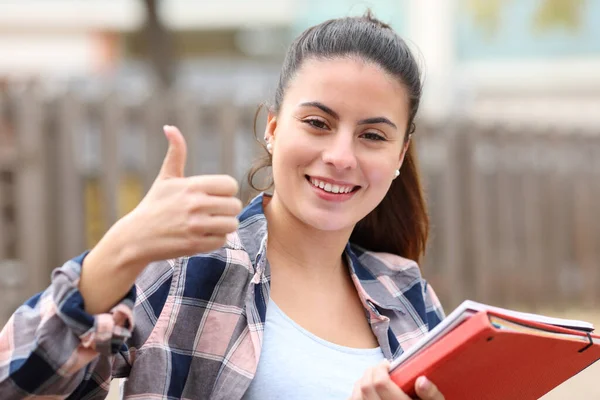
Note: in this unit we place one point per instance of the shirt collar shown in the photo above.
(252, 231)
(385, 279)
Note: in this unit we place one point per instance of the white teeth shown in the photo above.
(328, 187)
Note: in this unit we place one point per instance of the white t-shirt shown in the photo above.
(295, 364)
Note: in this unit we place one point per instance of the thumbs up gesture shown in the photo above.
(181, 216)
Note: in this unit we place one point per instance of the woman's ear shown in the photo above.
(271, 127)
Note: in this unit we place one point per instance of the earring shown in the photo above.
(396, 173)
(269, 147)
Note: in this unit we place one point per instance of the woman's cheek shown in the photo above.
(380, 175)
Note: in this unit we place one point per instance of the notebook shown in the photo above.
(489, 353)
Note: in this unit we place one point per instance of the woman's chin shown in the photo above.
(327, 221)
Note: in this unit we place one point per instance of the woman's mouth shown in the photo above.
(344, 190)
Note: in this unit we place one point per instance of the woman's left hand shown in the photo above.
(376, 384)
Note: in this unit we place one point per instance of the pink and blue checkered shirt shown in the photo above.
(190, 328)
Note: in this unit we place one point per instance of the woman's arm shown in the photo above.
(51, 346)
(64, 340)
(179, 216)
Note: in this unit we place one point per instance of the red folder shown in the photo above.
(493, 356)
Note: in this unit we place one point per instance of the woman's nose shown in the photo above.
(340, 151)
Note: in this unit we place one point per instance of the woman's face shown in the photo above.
(337, 141)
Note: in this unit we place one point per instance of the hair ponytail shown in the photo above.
(400, 223)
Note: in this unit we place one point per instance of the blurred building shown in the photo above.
(531, 61)
(219, 45)
(525, 60)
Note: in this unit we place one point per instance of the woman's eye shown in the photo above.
(315, 123)
(373, 136)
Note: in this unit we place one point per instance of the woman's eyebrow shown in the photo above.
(377, 120)
(321, 106)
(366, 121)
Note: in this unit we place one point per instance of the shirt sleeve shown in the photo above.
(433, 307)
(52, 347)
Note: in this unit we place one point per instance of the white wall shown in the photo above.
(558, 91)
(431, 30)
(34, 54)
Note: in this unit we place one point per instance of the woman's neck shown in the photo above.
(294, 245)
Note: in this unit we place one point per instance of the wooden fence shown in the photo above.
(514, 215)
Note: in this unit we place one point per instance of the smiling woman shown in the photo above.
(308, 292)
(354, 102)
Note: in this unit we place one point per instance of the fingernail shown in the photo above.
(423, 383)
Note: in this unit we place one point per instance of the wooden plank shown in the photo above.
(569, 277)
(585, 234)
(188, 121)
(552, 201)
(248, 149)
(547, 267)
(228, 123)
(560, 273)
(533, 248)
(425, 141)
(206, 141)
(518, 270)
(12, 289)
(513, 225)
(131, 134)
(31, 192)
(481, 169)
(495, 183)
(451, 211)
(496, 267)
(154, 118)
(518, 237)
(70, 204)
(110, 166)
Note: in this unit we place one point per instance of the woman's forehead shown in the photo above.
(347, 82)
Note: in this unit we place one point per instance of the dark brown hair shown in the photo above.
(399, 224)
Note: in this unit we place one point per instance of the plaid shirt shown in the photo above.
(198, 323)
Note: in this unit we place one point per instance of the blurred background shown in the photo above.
(508, 133)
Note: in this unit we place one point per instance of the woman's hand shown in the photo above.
(376, 384)
(179, 216)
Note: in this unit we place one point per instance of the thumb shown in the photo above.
(174, 163)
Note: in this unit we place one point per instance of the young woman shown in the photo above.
(307, 293)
